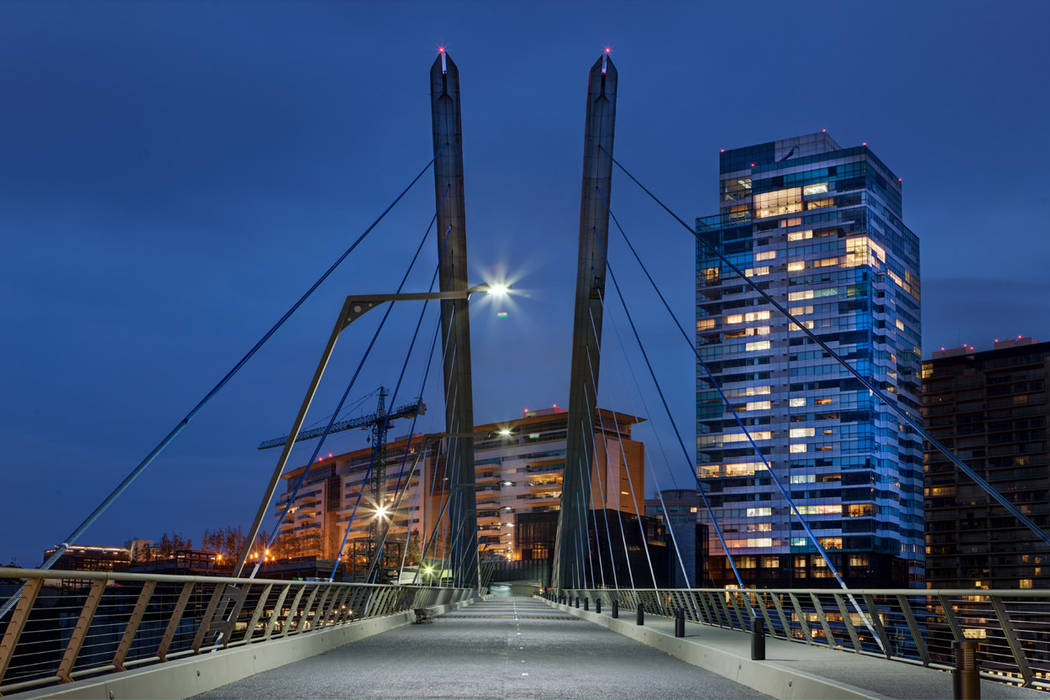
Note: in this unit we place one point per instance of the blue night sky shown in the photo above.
(174, 175)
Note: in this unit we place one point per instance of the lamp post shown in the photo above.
(354, 307)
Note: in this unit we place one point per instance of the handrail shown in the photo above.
(913, 625)
(68, 625)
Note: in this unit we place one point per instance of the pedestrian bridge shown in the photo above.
(119, 635)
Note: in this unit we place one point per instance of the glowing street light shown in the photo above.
(498, 289)
(504, 432)
(381, 511)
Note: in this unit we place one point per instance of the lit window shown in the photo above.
(800, 432)
(795, 403)
(758, 406)
(975, 633)
(900, 326)
(759, 512)
(756, 316)
(800, 310)
(735, 318)
(778, 202)
(796, 266)
(756, 271)
(741, 437)
(705, 324)
(820, 510)
(757, 345)
(750, 391)
(797, 447)
(709, 273)
(823, 402)
(1025, 583)
(826, 262)
(819, 188)
(863, 251)
(801, 294)
(803, 478)
(692, 509)
(830, 542)
(766, 255)
(798, 326)
(820, 203)
(800, 235)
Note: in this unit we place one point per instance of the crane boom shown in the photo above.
(407, 410)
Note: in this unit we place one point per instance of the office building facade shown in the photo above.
(991, 409)
(818, 227)
(518, 466)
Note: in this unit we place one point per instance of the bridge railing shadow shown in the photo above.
(68, 625)
(1011, 627)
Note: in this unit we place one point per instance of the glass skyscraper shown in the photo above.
(818, 227)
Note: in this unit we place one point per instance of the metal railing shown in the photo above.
(1011, 627)
(68, 625)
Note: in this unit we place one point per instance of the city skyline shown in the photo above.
(163, 211)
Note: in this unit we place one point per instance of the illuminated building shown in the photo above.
(518, 468)
(817, 227)
(990, 407)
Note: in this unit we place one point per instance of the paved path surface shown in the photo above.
(503, 648)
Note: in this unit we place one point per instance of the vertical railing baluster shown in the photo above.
(80, 631)
(802, 621)
(18, 622)
(1011, 639)
(850, 629)
(876, 621)
(913, 627)
(260, 605)
(785, 625)
(174, 620)
(278, 608)
(293, 612)
(819, 608)
(133, 624)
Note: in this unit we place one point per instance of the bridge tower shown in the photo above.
(455, 316)
(570, 547)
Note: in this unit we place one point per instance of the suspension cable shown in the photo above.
(371, 344)
(670, 417)
(901, 412)
(411, 513)
(605, 500)
(163, 444)
(736, 416)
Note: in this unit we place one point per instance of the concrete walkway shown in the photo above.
(792, 669)
(501, 648)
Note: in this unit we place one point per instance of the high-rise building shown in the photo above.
(686, 536)
(991, 409)
(818, 227)
(518, 465)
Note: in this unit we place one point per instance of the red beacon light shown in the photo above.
(823, 131)
(863, 143)
(608, 50)
(721, 150)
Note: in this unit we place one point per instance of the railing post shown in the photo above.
(133, 624)
(639, 613)
(598, 605)
(586, 603)
(174, 620)
(18, 622)
(260, 605)
(758, 639)
(679, 622)
(87, 614)
(966, 678)
(616, 607)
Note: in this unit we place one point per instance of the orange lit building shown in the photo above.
(518, 470)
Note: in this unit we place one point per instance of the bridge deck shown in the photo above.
(509, 647)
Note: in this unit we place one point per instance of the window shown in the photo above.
(759, 512)
(820, 203)
(822, 402)
(802, 294)
(800, 432)
(803, 478)
(750, 391)
(741, 437)
(796, 266)
(778, 202)
(795, 403)
(800, 310)
(797, 447)
(1025, 583)
(757, 345)
(705, 324)
(758, 406)
(820, 510)
(756, 271)
(819, 188)
(709, 274)
(766, 255)
(800, 235)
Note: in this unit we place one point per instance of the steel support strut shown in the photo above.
(586, 340)
(455, 316)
